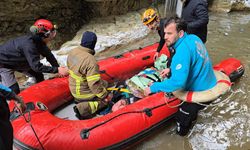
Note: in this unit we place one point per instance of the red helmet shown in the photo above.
(44, 25)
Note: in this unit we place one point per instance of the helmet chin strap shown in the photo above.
(36, 30)
(46, 34)
(157, 25)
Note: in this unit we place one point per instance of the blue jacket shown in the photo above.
(191, 67)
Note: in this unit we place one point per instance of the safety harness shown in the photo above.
(139, 82)
(172, 52)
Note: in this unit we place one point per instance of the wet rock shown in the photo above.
(229, 5)
(17, 16)
(115, 7)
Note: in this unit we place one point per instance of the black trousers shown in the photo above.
(6, 130)
(186, 114)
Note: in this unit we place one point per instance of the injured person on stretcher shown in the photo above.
(133, 88)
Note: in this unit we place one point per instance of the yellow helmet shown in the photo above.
(149, 15)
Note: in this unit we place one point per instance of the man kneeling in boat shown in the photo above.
(85, 84)
(191, 70)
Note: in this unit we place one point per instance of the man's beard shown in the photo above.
(171, 44)
(168, 44)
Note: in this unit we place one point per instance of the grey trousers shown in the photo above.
(7, 76)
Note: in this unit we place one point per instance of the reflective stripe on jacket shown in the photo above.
(84, 80)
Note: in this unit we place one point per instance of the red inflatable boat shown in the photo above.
(39, 129)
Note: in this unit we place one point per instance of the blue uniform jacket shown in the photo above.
(191, 67)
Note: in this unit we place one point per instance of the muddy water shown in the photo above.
(227, 125)
(223, 126)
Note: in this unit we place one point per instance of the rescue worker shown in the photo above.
(22, 54)
(6, 130)
(195, 13)
(85, 83)
(191, 70)
(152, 20)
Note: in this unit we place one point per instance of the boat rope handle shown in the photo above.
(29, 122)
(148, 111)
(169, 95)
(167, 103)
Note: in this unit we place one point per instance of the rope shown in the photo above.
(167, 103)
(146, 110)
(29, 122)
(214, 103)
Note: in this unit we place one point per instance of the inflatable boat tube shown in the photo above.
(40, 129)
